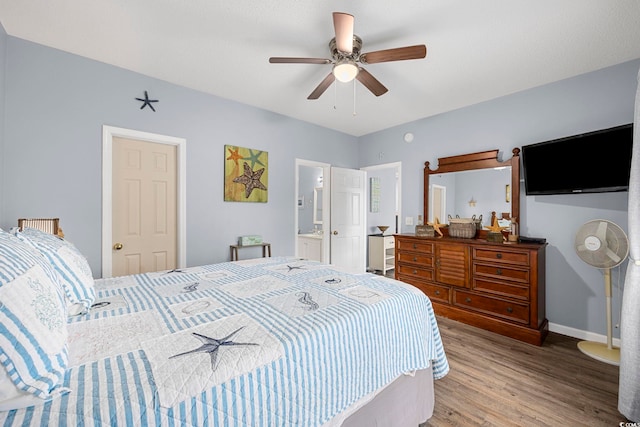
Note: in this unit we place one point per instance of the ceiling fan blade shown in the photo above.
(397, 54)
(370, 82)
(324, 84)
(285, 60)
(343, 25)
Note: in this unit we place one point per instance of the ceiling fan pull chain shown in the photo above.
(354, 97)
(335, 95)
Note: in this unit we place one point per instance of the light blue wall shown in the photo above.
(597, 100)
(56, 104)
(50, 149)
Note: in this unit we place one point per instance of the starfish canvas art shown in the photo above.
(246, 174)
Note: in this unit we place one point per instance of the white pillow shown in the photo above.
(33, 325)
(13, 398)
(72, 267)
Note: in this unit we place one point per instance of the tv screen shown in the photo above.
(593, 162)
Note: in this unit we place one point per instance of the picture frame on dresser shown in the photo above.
(495, 286)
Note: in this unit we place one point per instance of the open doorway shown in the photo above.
(334, 202)
(311, 231)
(384, 205)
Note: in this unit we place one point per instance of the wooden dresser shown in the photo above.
(498, 287)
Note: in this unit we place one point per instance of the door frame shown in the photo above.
(108, 133)
(326, 205)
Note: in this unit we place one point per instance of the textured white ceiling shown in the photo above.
(476, 50)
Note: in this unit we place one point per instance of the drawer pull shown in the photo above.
(467, 300)
(415, 271)
(509, 310)
(415, 259)
(415, 246)
(498, 256)
(437, 292)
(499, 272)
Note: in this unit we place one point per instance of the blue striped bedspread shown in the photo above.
(265, 342)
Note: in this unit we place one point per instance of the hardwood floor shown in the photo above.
(498, 381)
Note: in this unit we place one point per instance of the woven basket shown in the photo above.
(425, 230)
(464, 230)
(477, 221)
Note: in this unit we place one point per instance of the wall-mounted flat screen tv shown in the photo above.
(593, 162)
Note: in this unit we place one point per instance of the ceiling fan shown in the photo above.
(346, 58)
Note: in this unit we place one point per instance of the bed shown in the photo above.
(271, 341)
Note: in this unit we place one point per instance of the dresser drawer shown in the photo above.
(502, 288)
(414, 245)
(415, 271)
(425, 260)
(501, 272)
(389, 242)
(434, 292)
(502, 256)
(517, 312)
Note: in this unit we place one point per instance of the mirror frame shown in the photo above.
(474, 161)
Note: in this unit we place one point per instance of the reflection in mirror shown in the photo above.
(317, 205)
(438, 203)
(466, 194)
(309, 178)
(473, 184)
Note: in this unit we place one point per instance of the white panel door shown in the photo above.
(348, 219)
(438, 203)
(144, 207)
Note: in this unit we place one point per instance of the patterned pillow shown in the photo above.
(33, 331)
(72, 267)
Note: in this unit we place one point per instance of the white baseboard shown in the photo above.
(580, 334)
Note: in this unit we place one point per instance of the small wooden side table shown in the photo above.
(233, 249)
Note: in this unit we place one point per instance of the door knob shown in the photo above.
(117, 246)
(335, 233)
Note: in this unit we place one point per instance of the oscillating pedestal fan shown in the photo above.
(604, 245)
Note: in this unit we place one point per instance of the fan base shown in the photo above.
(601, 352)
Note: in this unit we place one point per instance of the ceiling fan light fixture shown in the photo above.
(346, 57)
(346, 70)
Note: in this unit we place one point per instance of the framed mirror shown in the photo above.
(475, 184)
(317, 205)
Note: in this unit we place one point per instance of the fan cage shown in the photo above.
(614, 245)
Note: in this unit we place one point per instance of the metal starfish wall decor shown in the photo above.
(146, 101)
